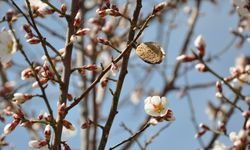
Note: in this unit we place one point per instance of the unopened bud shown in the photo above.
(159, 7)
(200, 45)
(201, 67)
(47, 132)
(78, 19)
(246, 114)
(61, 109)
(68, 125)
(103, 41)
(10, 127)
(82, 32)
(20, 98)
(63, 8)
(186, 58)
(33, 40)
(37, 143)
(205, 127)
(218, 86)
(26, 28)
(199, 134)
(9, 15)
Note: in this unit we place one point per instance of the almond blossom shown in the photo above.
(155, 106)
(8, 46)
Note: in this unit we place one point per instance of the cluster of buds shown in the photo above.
(20, 98)
(30, 38)
(204, 128)
(200, 45)
(44, 116)
(240, 74)
(108, 11)
(40, 8)
(44, 74)
(17, 117)
(241, 139)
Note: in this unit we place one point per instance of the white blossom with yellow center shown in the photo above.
(155, 106)
(7, 46)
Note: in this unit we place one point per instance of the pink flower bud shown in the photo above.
(159, 7)
(186, 58)
(45, 10)
(199, 134)
(201, 67)
(42, 81)
(20, 98)
(248, 125)
(200, 45)
(25, 74)
(82, 32)
(114, 69)
(205, 127)
(66, 146)
(61, 109)
(91, 67)
(26, 28)
(103, 41)
(169, 115)
(63, 8)
(101, 12)
(104, 82)
(9, 15)
(37, 143)
(10, 127)
(246, 114)
(27, 123)
(33, 40)
(78, 19)
(47, 132)
(218, 86)
(153, 121)
(87, 124)
(69, 97)
(68, 125)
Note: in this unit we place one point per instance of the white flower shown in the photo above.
(8, 46)
(219, 146)
(155, 106)
(242, 7)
